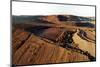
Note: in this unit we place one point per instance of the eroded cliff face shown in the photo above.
(37, 43)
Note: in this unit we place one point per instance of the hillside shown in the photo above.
(53, 39)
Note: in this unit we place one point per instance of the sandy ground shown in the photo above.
(36, 51)
(84, 45)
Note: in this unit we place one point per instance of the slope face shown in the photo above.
(34, 50)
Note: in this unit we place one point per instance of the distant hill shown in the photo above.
(51, 18)
(55, 19)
